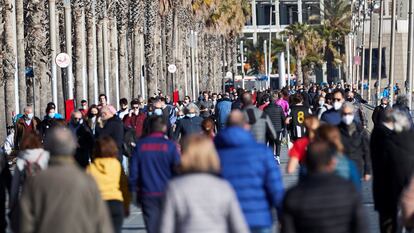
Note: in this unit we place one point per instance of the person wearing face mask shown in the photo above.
(93, 119)
(321, 107)
(190, 124)
(379, 112)
(84, 108)
(124, 109)
(333, 115)
(113, 127)
(355, 140)
(25, 125)
(135, 119)
(51, 120)
(84, 137)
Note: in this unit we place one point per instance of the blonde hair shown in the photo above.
(199, 155)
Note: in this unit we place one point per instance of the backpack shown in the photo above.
(32, 168)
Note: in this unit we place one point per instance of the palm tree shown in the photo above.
(123, 13)
(9, 57)
(298, 35)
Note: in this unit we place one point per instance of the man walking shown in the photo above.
(323, 202)
(151, 167)
(62, 198)
(252, 171)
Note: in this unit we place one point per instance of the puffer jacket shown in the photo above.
(253, 173)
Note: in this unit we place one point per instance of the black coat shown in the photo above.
(381, 169)
(323, 203)
(85, 143)
(277, 116)
(113, 128)
(378, 115)
(357, 147)
(187, 126)
(401, 151)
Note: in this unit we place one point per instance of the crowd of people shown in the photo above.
(211, 164)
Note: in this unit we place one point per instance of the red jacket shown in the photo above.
(136, 122)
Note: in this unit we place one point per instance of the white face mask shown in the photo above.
(158, 112)
(191, 115)
(337, 105)
(321, 102)
(348, 119)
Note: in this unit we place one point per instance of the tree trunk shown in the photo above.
(9, 60)
(151, 14)
(21, 55)
(299, 70)
(123, 53)
(114, 63)
(78, 7)
(100, 58)
(91, 49)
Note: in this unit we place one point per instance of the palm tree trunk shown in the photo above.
(92, 52)
(114, 62)
(151, 14)
(299, 71)
(78, 8)
(100, 58)
(123, 53)
(21, 55)
(9, 60)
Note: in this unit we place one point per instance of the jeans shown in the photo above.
(261, 230)
(116, 211)
(151, 208)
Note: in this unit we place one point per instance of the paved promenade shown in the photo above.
(135, 223)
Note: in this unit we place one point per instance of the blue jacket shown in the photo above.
(152, 165)
(223, 109)
(252, 171)
(332, 117)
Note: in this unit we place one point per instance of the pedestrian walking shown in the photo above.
(261, 125)
(25, 125)
(190, 124)
(84, 138)
(113, 127)
(322, 201)
(62, 198)
(31, 159)
(198, 200)
(298, 151)
(277, 117)
(379, 112)
(297, 115)
(345, 167)
(124, 109)
(381, 137)
(107, 172)
(152, 165)
(251, 170)
(356, 141)
(135, 119)
(223, 109)
(333, 115)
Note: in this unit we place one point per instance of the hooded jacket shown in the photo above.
(107, 174)
(253, 173)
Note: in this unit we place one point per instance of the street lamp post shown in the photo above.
(380, 51)
(392, 53)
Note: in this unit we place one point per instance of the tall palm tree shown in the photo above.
(8, 51)
(298, 38)
(122, 16)
(136, 24)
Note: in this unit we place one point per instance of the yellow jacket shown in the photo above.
(107, 173)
